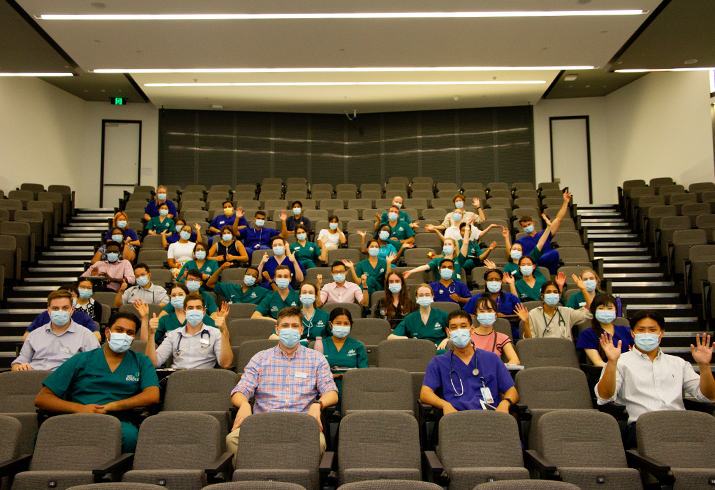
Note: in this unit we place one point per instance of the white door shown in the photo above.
(121, 160)
(570, 156)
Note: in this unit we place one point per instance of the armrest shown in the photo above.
(698, 406)
(644, 463)
(435, 468)
(12, 467)
(656, 245)
(546, 470)
(669, 255)
(706, 303)
(616, 410)
(686, 279)
(221, 465)
(327, 461)
(121, 464)
(521, 412)
(328, 477)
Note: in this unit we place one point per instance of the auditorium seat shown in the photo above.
(37, 226)
(315, 215)
(664, 233)
(331, 204)
(11, 205)
(527, 202)
(18, 390)
(22, 196)
(412, 355)
(698, 188)
(345, 215)
(244, 328)
(371, 187)
(429, 240)
(272, 181)
(545, 352)
(426, 194)
(192, 196)
(700, 257)
(311, 274)
(415, 257)
(244, 196)
(36, 189)
(680, 245)
(574, 256)
(661, 181)
(194, 188)
(678, 200)
(551, 193)
(354, 308)
(370, 331)
(472, 186)
(67, 196)
(217, 195)
(318, 195)
(23, 236)
(372, 195)
(652, 221)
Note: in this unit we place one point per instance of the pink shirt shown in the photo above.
(490, 342)
(349, 292)
(120, 268)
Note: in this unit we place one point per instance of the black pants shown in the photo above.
(629, 437)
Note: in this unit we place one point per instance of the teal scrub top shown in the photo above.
(85, 378)
(351, 355)
(169, 322)
(577, 301)
(210, 266)
(309, 251)
(314, 327)
(401, 231)
(377, 272)
(390, 247)
(272, 303)
(155, 224)
(473, 249)
(526, 293)
(435, 330)
(513, 269)
(211, 307)
(403, 216)
(434, 267)
(233, 293)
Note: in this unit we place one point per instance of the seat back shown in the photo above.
(354, 308)
(250, 348)
(243, 329)
(18, 390)
(553, 387)
(377, 389)
(412, 355)
(546, 352)
(199, 390)
(680, 439)
(10, 428)
(370, 331)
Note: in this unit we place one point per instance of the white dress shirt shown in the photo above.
(645, 386)
(198, 351)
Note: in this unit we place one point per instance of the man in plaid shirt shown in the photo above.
(286, 378)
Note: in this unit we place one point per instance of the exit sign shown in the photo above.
(118, 100)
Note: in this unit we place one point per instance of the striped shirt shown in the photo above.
(45, 350)
(285, 384)
(652, 386)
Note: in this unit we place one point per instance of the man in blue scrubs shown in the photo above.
(227, 218)
(257, 237)
(467, 378)
(111, 380)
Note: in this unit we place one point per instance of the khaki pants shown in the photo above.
(232, 444)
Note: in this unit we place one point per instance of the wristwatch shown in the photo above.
(505, 399)
(318, 402)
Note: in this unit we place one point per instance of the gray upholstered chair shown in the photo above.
(370, 331)
(11, 429)
(479, 446)
(279, 446)
(390, 485)
(117, 486)
(242, 329)
(178, 450)
(377, 445)
(585, 448)
(412, 355)
(377, 389)
(18, 390)
(69, 448)
(526, 485)
(256, 485)
(546, 352)
(250, 348)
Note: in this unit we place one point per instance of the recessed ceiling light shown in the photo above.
(646, 70)
(322, 84)
(690, 62)
(36, 74)
(570, 78)
(344, 70)
(345, 15)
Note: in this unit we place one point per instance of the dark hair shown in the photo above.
(531, 259)
(525, 219)
(333, 217)
(200, 244)
(142, 265)
(373, 240)
(458, 196)
(289, 311)
(260, 213)
(446, 260)
(120, 231)
(277, 237)
(175, 285)
(80, 280)
(495, 271)
(335, 264)
(113, 244)
(194, 297)
(251, 267)
(643, 314)
(549, 283)
(458, 314)
(408, 306)
(486, 289)
(380, 228)
(195, 273)
(340, 311)
(462, 225)
(176, 222)
(489, 302)
(227, 202)
(600, 300)
(126, 316)
(301, 227)
(72, 288)
(227, 227)
(298, 203)
(163, 204)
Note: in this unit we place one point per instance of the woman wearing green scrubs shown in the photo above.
(206, 266)
(426, 323)
(591, 281)
(315, 320)
(340, 350)
(162, 223)
(528, 288)
(177, 318)
(449, 251)
(374, 267)
(307, 253)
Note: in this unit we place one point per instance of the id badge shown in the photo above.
(487, 395)
(205, 343)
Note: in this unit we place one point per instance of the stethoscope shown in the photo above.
(204, 343)
(310, 322)
(548, 324)
(475, 372)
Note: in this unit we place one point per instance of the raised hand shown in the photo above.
(239, 212)
(429, 228)
(702, 351)
(414, 225)
(284, 215)
(264, 259)
(377, 215)
(475, 201)
(489, 264)
(546, 219)
(578, 281)
(221, 315)
(470, 220)
(561, 280)
(390, 258)
(612, 352)
(290, 254)
(407, 245)
(197, 227)
(492, 245)
(153, 324)
(124, 285)
(319, 279)
(141, 307)
(508, 278)
(454, 297)
(505, 232)
(522, 312)
(567, 196)
(224, 266)
(348, 263)
(363, 279)
(406, 274)
(266, 276)
(362, 233)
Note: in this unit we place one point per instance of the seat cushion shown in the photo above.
(174, 479)
(362, 474)
(691, 478)
(297, 476)
(614, 478)
(468, 478)
(34, 480)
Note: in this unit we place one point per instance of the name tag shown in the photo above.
(487, 395)
(65, 350)
(301, 375)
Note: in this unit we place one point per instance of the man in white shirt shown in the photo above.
(645, 379)
(343, 291)
(145, 290)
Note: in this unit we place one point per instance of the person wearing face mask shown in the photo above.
(145, 290)
(553, 320)
(173, 236)
(400, 231)
(460, 215)
(396, 304)
(49, 346)
(226, 219)
(387, 246)
(226, 249)
(121, 221)
(182, 251)
(288, 377)
(305, 252)
(341, 290)
(84, 302)
(485, 337)
(162, 223)
(315, 320)
(402, 215)
(256, 237)
(194, 283)
(528, 288)
(126, 249)
(194, 345)
(426, 323)
(550, 258)
(200, 263)
(592, 282)
(245, 292)
(79, 316)
(281, 256)
(449, 252)
(282, 297)
(330, 238)
(467, 378)
(152, 209)
(374, 267)
(296, 219)
(114, 271)
(470, 253)
(112, 380)
(645, 379)
(448, 290)
(603, 309)
(173, 315)
(506, 302)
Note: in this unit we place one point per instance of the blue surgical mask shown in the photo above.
(178, 228)
(384, 235)
(60, 317)
(392, 216)
(289, 337)
(395, 287)
(301, 236)
(200, 255)
(297, 211)
(227, 237)
(515, 254)
(119, 342)
(122, 224)
(142, 281)
(161, 196)
(424, 301)
(112, 257)
(526, 270)
(373, 251)
(529, 229)
(193, 286)
(333, 226)
(338, 278)
(399, 205)
(279, 250)
(590, 285)
(457, 216)
(194, 317)
(487, 319)
(282, 283)
(307, 300)
(552, 299)
(341, 331)
(85, 293)
(249, 280)
(185, 235)
(605, 316)
(178, 302)
(494, 286)
(117, 238)
(460, 337)
(163, 212)
(647, 341)
(446, 274)
(447, 250)
(459, 204)
(260, 222)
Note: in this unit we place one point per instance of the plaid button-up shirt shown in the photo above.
(285, 384)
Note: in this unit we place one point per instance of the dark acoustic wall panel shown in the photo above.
(475, 145)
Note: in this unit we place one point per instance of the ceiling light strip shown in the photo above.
(345, 15)
(323, 84)
(36, 74)
(648, 70)
(387, 69)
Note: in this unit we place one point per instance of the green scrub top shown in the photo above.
(435, 330)
(85, 378)
(273, 303)
(403, 216)
(577, 301)
(169, 322)
(513, 269)
(317, 326)
(401, 231)
(211, 307)
(304, 253)
(233, 293)
(351, 355)
(434, 266)
(377, 273)
(526, 293)
(155, 224)
(210, 266)
(473, 249)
